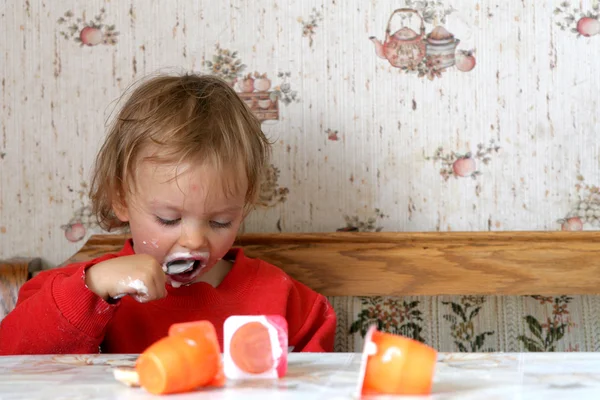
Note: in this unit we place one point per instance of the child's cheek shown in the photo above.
(152, 246)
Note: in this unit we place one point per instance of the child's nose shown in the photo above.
(193, 238)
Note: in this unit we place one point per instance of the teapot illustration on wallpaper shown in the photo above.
(408, 49)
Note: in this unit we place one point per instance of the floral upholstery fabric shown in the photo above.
(474, 323)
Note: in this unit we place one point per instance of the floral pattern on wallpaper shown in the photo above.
(586, 211)
(416, 51)
(578, 21)
(309, 27)
(355, 223)
(332, 135)
(82, 219)
(79, 224)
(271, 193)
(464, 165)
(256, 89)
(88, 32)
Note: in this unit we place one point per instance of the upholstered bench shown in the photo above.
(456, 291)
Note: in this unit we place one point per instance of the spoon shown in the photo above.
(178, 266)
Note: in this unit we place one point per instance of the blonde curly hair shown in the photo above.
(188, 118)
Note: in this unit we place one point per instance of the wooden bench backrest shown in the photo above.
(13, 274)
(433, 263)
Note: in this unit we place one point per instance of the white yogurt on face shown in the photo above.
(153, 243)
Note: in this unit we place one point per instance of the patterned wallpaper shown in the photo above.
(467, 115)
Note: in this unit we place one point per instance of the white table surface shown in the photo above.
(488, 376)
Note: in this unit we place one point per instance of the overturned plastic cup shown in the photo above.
(187, 359)
(395, 365)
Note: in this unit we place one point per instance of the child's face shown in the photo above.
(183, 211)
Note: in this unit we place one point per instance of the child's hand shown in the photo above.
(138, 275)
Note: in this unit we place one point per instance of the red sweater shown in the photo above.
(57, 314)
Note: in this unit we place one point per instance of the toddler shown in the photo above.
(181, 167)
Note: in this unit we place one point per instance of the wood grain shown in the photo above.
(13, 274)
(432, 263)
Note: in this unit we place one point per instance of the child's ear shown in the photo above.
(121, 210)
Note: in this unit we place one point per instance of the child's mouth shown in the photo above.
(182, 270)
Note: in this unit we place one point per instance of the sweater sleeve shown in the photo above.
(56, 314)
(311, 320)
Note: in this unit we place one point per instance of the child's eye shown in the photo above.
(218, 225)
(167, 222)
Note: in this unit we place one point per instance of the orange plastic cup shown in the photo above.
(201, 331)
(189, 358)
(396, 365)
